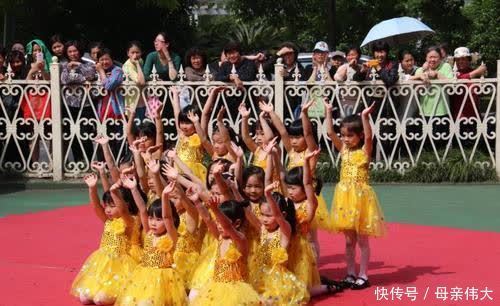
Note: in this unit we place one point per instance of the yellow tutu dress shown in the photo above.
(355, 206)
(190, 151)
(136, 240)
(154, 282)
(187, 251)
(253, 245)
(276, 284)
(302, 261)
(228, 286)
(107, 269)
(321, 217)
(204, 269)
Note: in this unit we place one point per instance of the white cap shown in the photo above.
(337, 53)
(321, 46)
(461, 52)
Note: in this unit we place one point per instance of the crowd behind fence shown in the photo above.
(42, 135)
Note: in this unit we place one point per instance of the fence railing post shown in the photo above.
(279, 97)
(55, 97)
(497, 123)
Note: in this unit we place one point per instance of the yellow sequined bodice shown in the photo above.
(270, 250)
(157, 251)
(354, 167)
(189, 149)
(187, 242)
(256, 209)
(303, 225)
(230, 267)
(296, 159)
(114, 239)
(257, 159)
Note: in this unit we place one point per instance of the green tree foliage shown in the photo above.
(485, 29)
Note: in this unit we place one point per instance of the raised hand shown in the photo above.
(129, 181)
(237, 150)
(269, 188)
(270, 145)
(193, 117)
(175, 90)
(218, 168)
(213, 202)
(154, 166)
(368, 110)
(312, 154)
(307, 105)
(98, 166)
(90, 180)
(139, 144)
(219, 89)
(328, 106)
(266, 107)
(170, 172)
(193, 194)
(116, 186)
(169, 188)
(245, 113)
(102, 140)
(220, 114)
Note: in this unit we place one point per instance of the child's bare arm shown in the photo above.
(329, 126)
(312, 201)
(113, 170)
(130, 182)
(285, 228)
(91, 181)
(367, 129)
(100, 167)
(278, 124)
(245, 134)
(167, 212)
(207, 145)
(238, 238)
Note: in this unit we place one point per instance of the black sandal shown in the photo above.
(364, 284)
(348, 281)
(333, 288)
(331, 285)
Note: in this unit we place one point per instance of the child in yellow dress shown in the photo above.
(189, 147)
(302, 261)
(188, 246)
(298, 140)
(106, 270)
(220, 146)
(355, 208)
(255, 146)
(276, 284)
(253, 190)
(228, 285)
(154, 281)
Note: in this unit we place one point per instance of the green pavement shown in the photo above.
(463, 206)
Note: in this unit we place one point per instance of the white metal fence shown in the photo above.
(42, 139)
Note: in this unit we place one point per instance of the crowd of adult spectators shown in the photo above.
(79, 65)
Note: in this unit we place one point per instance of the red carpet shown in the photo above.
(42, 252)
